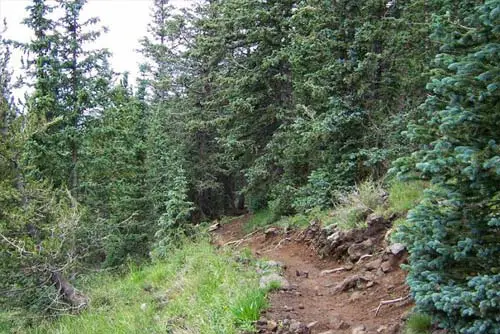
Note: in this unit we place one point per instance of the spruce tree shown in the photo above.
(453, 236)
(115, 176)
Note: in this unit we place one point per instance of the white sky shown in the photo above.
(126, 20)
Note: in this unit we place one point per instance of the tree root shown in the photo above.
(388, 302)
(242, 240)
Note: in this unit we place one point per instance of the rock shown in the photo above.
(359, 330)
(375, 219)
(267, 281)
(311, 324)
(328, 332)
(271, 232)
(386, 267)
(370, 284)
(382, 329)
(397, 248)
(356, 295)
(302, 273)
(271, 325)
(144, 306)
(261, 322)
(355, 251)
(350, 283)
(338, 324)
(373, 265)
(348, 266)
(297, 327)
(214, 227)
(301, 306)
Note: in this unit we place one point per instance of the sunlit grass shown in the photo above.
(403, 196)
(196, 290)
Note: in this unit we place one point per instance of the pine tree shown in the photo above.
(453, 236)
(115, 186)
(69, 83)
(166, 128)
(38, 224)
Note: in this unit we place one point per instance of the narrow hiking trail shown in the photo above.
(317, 301)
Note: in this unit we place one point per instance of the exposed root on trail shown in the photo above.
(392, 301)
(238, 242)
(331, 271)
(336, 277)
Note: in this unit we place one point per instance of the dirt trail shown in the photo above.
(312, 297)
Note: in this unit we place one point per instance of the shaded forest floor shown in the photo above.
(318, 301)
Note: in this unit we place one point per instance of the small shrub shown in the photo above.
(418, 323)
(247, 309)
(273, 286)
(302, 220)
(353, 207)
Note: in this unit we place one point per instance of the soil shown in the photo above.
(317, 299)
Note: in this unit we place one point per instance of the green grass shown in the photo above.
(418, 324)
(196, 290)
(247, 309)
(259, 220)
(264, 218)
(353, 207)
(403, 196)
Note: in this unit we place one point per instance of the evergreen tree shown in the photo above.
(453, 236)
(115, 176)
(38, 224)
(69, 83)
(166, 127)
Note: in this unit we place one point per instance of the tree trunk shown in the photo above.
(68, 293)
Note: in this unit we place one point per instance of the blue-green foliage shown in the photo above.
(453, 235)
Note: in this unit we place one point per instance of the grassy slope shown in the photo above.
(196, 290)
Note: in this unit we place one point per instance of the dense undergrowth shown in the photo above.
(196, 289)
(352, 207)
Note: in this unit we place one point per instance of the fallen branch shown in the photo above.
(242, 240)
(278, 245)
(331, 271)
(392, 301)
(282, 240)
(299, 236)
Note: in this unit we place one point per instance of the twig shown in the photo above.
(240, 241)
(278, 245)
(392, 301)
(21, 250)
(331, 271)
(297, 237)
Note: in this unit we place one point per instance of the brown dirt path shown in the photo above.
(312, 298)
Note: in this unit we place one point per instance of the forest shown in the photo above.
(250, 106)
